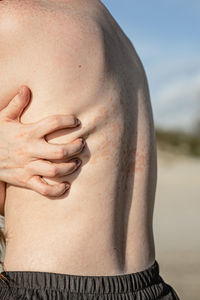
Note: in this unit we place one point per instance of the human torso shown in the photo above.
(103, 225)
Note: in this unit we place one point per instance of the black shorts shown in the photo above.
(144, 285)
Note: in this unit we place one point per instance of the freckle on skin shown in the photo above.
(79, 66)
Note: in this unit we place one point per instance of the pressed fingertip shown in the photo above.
(24, 93)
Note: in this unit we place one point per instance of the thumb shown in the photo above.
(16, 106)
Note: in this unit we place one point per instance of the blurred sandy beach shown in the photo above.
(177, 223)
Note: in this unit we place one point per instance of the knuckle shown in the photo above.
(21, 152)
(21, 132)
(22, 181)
(29, 167)
(27, 132)
(44, 190)
(60, 153)
(53, 171)
(24, 178)
(30, 131)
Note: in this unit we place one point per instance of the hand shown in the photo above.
(24, 152)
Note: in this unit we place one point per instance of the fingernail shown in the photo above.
(77, 161)
(82, 141)
(67, 186)
(78, 122)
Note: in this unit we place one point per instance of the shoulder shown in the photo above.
(31, 18)
(13, 17)
(28, 11)
(47, 36)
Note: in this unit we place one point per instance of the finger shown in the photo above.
(45, 150)
(38, 184)
(49, 169)
(53, 123)
(16, 106)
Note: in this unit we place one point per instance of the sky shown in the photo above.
(166, 36)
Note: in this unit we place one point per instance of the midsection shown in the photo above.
(103, 225)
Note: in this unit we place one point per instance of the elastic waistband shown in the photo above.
(80, 284)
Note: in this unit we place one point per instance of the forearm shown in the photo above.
(2, 197)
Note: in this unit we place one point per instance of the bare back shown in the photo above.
(76, 60)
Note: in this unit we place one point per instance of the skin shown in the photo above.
(81, 64)
(22, 168)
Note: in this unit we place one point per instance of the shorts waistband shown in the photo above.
(79, 284)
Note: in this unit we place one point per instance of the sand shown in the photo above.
(177, 223)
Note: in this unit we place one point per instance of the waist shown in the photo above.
(82, 244)
(70, 283)
(96, 261)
